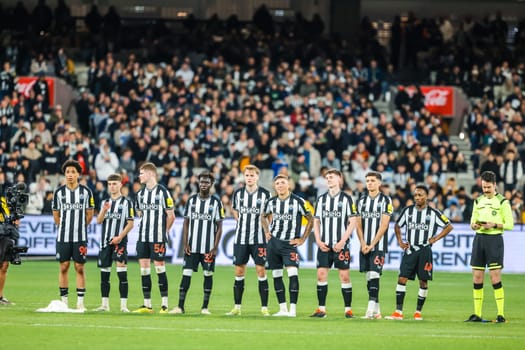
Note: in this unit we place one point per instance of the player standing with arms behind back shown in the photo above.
(285, 212)
(374, 212)
(155, 208)
(201, 234)
(491, 216)
(248, 206)
(334, 222)
(116, 217)
(73, 206)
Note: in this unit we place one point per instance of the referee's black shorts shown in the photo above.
(487, 252)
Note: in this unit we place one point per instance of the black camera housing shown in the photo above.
(16, 199)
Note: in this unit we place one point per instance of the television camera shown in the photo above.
(16, 199)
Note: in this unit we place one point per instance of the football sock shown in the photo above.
(477, 293)
(163, 284)
(207, 286)
(263, 291)
(373, 289)
(400, 296)
(346, 290)
(238, 289)
(123, 283)
(104, 283)
(421, 297)
(278, 285)
(80, 295)
(146, 286)
(499, 295)
(294, 289)
(322, 291)
(184, 286)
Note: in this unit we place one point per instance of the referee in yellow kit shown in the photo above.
(491, 216)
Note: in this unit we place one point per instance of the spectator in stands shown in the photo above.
(511, 170)
(106, 161)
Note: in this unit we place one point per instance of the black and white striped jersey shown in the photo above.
(334, 214)
(286, 216)
(72, 205)
(152, 205)
(203, 215)
(370, 211)
(249, 207)
(421, 224)
(116, 218)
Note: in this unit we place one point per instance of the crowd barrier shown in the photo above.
(450, 254)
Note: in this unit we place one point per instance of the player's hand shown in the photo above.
(404, 245)
(187, 249)
(268, 236)
(339, 246)
(297, 242)
(323, 246)
(212, 253)
(366, 249)
(115, 240)
(106, 206)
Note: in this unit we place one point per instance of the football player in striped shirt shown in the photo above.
(334, 222)
(201, 234)
(248, 206)
(116, 216)
(73, 206)
(374, 210)
(282, 219)
(422, 224)
(154, 205)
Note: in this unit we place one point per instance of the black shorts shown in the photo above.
(72, 250)
(417, 262)
(339, 260)
(110, 253)
(281, 253)
(242, 253)
(193, 261)
(372, 261)
(6, 244)
(487, 251)
(152, 251)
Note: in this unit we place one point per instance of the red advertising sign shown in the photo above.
(439, 99)
(25, 85)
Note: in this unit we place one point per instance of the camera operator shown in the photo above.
(6, 244)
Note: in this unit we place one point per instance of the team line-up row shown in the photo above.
(269, 231)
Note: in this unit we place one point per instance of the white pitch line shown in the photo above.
(259, 331)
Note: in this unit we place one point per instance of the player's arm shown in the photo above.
(383, 227)
(89, 215)
(402, 244)
(265, 222)
(446, 230)
(360, 235)
(56, 217)
(236, 214)
(218, 235)
(350, 227)
(102, 214)
(309, 224)
(170, 218)
(129, 226)
(185, 242)
(317, 234)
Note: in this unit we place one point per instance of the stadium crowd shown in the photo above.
(281, 96)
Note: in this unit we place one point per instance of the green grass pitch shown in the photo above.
(34, 284)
